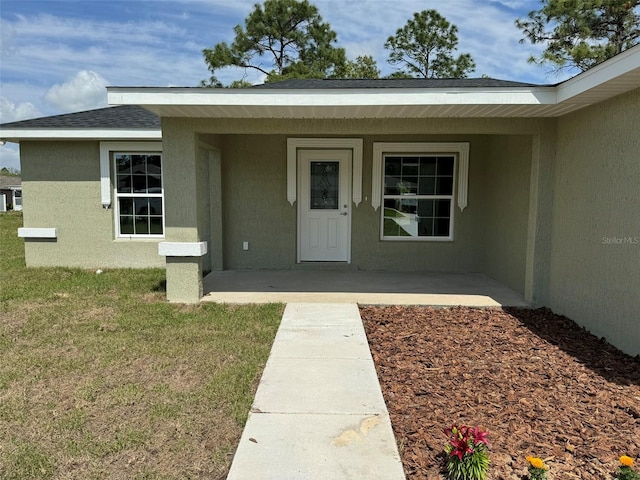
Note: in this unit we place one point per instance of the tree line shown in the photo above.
(285, 39)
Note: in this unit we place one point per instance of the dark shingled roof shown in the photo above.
(122, 117)
(331, 83)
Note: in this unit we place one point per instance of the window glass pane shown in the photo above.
(124, 184)
(126, 225)
(153, 165)
(141, 225)
(444, 186)
(396, 223)
(425, 226)
(126, 206)
(427, 186)
(391, 186)
(155, 183)
(155, 225)
(141, 206)
(441, 227)
(324, 185)
(392, 166)
(442, 208)
(410, 166)
(123, 163)
(445, 166)
(425, 208)
(138, 164)
(155, 206)
(139, 183)
(409, 185)
(428, 166)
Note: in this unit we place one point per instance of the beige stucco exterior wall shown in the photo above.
(255, 208)
(595, 248)
(61, 187)
(502, 190)
(490, 234)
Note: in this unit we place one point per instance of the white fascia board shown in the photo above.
(182, 249)
(624, 63)
(18, 134)
(329, 97)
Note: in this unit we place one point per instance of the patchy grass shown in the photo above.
(101, 378)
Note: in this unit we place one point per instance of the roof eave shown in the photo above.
(16, 135)
(611, 78)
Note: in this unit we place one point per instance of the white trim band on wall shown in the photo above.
(28, 232)
(182, 249)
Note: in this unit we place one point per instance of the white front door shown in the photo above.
(324, 205)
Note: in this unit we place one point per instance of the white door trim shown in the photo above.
(344, 200)
(354, 144)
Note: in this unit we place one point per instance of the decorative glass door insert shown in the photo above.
(325, 178)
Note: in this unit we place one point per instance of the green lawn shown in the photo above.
(101, 378)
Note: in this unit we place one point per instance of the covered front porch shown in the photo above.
(338, 285)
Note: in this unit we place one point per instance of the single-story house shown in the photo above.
(536, 186)
(10, 193)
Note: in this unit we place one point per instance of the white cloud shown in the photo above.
(11, 112)
(85, 91)
(10, 156)
(7, 37)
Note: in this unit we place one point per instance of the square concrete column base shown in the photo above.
(184, 279)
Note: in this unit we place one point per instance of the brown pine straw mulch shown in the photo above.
(538, 382)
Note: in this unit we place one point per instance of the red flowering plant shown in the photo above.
(467, 453)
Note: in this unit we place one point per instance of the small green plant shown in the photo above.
(537, 469)
(625, 470)
(467, 453)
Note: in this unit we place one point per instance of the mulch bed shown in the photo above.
(538, 382)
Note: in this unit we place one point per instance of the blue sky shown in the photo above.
(57, 56)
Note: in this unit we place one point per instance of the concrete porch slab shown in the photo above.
(367, 288)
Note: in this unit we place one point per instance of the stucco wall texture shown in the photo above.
(595, 247)
(61, 187)
(490, 234)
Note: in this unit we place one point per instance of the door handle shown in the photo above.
(343, 213)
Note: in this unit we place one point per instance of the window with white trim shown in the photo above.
(417, 184)
(139, 195)
(417, 197)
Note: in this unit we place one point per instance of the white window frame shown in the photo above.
(460, 152)
(108, 150)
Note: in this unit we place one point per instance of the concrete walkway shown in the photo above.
(318, 412)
